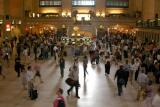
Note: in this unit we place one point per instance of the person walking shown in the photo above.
(133, 69)
(97, 57)
(149, 95)
(59, 100)
(137, 67)
(24, 77)
(85, 63)
(142, 82)
(17, 66)
(1, 74)
(74, 75)
(156, 99)
(62, 65)
(107, 66)
(38, 74)
(126, 69)
(56, 57)
(120, 79)
(30, 79)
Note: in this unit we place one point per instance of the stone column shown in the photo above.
(66, 5)
(157, 8)
(1, 18)
(6, 12)
(100, 6)
(131, 7)
(1, 7)
(148, 9)
(35, 5)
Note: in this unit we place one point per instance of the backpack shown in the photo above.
(61, 103)
(121, 81)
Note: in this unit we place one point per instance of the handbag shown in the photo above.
(70, 82)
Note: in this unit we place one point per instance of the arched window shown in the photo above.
(50, 3)
(117, 3)
(83, 2)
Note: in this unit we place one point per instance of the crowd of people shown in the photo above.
(138, 62)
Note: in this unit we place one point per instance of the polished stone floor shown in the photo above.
(95, 91)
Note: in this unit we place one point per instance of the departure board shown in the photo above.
(117, 3)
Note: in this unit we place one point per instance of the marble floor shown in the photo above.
(95, 91)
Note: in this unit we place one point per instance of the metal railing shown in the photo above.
(150, 23)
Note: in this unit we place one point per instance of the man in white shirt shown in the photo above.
(142, 78)
(137, 65)
(142, 81)
(30, 76)
(74, 75)
(158, 57)
(55, 48)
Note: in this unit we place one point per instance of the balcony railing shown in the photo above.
(150, 23)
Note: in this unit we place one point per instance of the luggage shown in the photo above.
(33, 94)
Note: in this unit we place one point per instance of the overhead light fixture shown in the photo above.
(97, 14)
(100, 14)
(19, 22)
(13, 22)
(38, 15)
(33, 14)
(1, 21)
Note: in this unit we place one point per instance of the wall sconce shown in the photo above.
(69, 14)
(19, 22)
(51, 27)
(103, 15)
(1, 22)
(78, 34)
(73, 34)
(63, 26)
(100, 14)
(33, 15)
(13, 22)
(66, 14)
(30, 27)
(63, 14)
(101, 26)
(38, 15)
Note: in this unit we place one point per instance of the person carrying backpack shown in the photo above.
(59, 100)
(120, 75)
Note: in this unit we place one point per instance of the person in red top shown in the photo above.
(59, 100)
